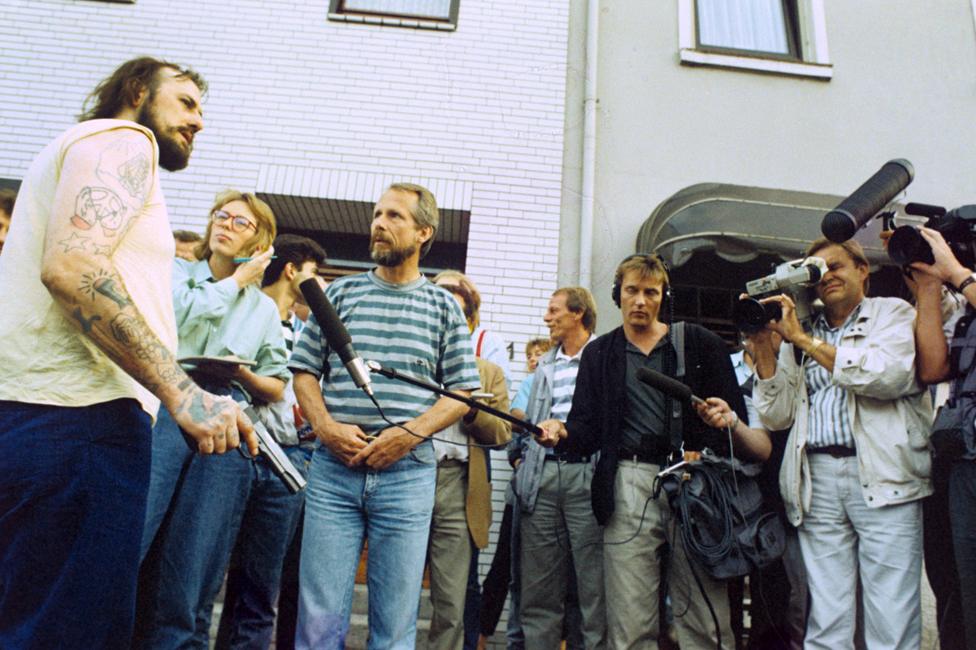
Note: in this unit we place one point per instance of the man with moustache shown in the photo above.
(84, 280)
(368, 477)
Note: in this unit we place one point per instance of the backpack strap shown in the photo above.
(678, 341)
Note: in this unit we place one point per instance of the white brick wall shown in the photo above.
(481, 107)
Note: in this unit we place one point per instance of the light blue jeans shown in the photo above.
(842, 538)
(392, 508)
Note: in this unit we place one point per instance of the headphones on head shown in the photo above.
(650, 257)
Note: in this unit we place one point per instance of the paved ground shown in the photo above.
(930, 640)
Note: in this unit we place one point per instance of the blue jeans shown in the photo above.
(73, 485)
(265, 534)
(343, 505)
(200, 502)
(171, 456)
(842, 539)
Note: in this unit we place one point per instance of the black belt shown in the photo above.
(568, 458)
(643, 457)
(837, 451)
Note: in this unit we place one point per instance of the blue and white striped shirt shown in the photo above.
(828, 422)
(564, 382)
(415, 328)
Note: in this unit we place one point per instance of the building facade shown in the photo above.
(319, 105)
(809, 96)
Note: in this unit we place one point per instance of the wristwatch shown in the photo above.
(965, 283)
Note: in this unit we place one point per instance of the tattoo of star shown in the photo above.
(75, 241)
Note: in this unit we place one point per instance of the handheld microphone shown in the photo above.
(665, 384)
(335, 333)
(842, 222)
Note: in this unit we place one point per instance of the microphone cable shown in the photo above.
(393, 424)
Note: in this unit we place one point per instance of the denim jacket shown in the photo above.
(528, 474)
(890, 412)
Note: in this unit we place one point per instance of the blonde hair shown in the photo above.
(426, 213)
(266, 230)
(465, 282)
(543, 342)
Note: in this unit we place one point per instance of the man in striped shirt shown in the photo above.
(857, 462)
(557, 527)
(370, 477)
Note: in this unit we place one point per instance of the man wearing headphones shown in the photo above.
(636, 429)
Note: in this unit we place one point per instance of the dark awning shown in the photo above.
(739, 223)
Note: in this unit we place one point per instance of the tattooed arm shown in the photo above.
(93, 207)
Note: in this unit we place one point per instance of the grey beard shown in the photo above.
(392, 257)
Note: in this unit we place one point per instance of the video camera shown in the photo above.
(795, 278)
(957, 227)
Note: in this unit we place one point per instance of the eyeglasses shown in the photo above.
(237, 222)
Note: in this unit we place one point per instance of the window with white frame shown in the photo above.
(431, 14)
(776, 36)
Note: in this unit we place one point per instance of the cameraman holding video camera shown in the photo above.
(952, 438)
(857, 461)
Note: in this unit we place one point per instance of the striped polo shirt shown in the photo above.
(564, 381)
(415, 328)
(828, 422)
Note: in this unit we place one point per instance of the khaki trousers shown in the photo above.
(561, 527)
(450, 556)
(633, 541)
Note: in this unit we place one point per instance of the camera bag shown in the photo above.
(954, 429)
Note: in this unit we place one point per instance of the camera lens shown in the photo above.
(750, 315)
(906, 245)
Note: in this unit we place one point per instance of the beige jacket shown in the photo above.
(891, 413)
(487, 430)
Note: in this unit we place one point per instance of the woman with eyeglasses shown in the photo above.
(220, 312)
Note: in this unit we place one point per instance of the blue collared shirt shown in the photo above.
(216, 318)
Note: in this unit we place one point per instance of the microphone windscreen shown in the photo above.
(842, 222)
(924, 210)
(665, 384)
(335, 332)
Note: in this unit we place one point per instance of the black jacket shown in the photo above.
(595, 418)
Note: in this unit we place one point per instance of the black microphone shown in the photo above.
(665, 384)
(924, 210)
(335, 333)
(842, 222)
